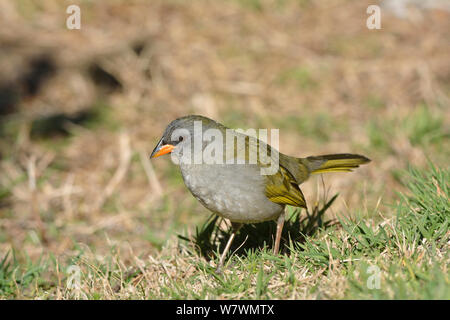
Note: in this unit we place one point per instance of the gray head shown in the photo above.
(179, 133)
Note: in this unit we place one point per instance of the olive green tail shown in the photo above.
(343, 162)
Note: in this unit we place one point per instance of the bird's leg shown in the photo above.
(280, 224)
(236, 227)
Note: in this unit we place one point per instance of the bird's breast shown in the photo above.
(233, 191)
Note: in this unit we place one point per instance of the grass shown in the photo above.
(422, 127)
(314, 127)
(300, 76)
(404, 257)
(85, 108)
(210, 237)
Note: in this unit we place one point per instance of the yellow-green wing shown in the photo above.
(282, 188)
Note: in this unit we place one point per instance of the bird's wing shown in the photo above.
(282, 188)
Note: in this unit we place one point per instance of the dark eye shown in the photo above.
(180, 139)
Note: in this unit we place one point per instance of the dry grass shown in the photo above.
(312, 69)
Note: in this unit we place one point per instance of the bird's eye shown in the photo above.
(180, 139)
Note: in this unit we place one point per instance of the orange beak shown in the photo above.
(162, 150)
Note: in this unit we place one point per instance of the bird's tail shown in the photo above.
(335, 162)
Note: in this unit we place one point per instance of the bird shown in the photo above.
(240, 177)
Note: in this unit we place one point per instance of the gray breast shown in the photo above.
(233, 191)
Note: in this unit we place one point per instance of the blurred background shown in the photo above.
(81, 110)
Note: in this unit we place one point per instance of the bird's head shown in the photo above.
(180, 133)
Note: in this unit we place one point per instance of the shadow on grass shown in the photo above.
(212, 235)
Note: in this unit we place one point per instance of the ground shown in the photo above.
(84, 213)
